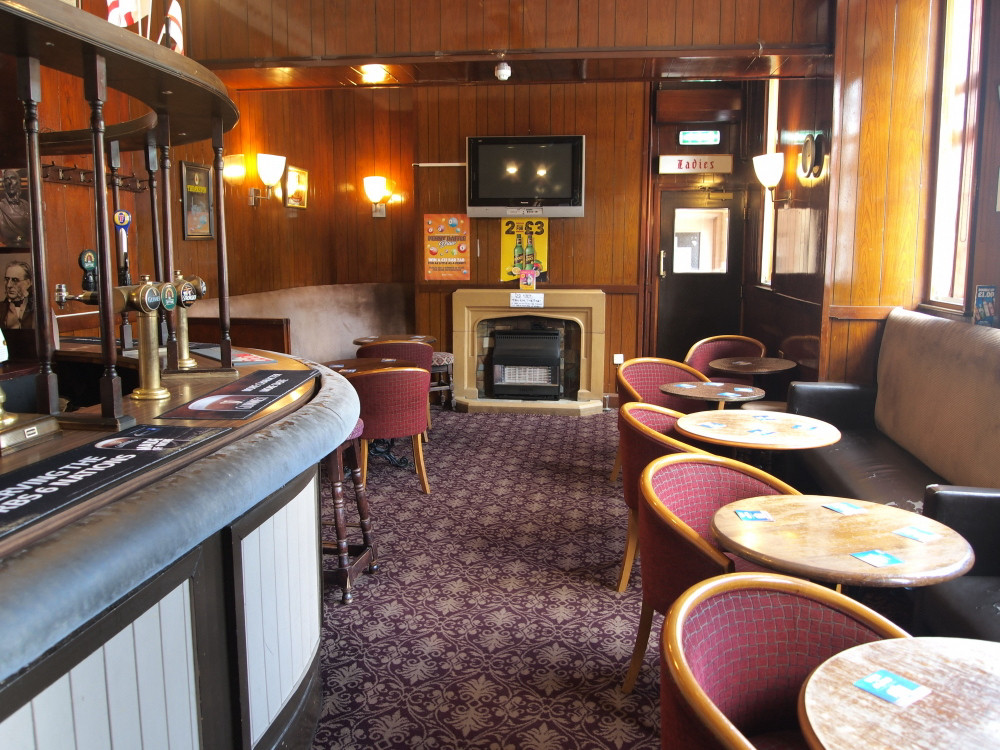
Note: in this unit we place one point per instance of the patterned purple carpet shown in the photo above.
(492, 622)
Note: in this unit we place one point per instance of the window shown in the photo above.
(953, 194)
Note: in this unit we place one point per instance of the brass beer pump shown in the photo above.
(144, 298)
(190, 289)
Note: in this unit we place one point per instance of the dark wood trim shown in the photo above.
(270, 334)
(860, 312)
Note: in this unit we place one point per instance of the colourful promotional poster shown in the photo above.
(446, 247)
(524, 250)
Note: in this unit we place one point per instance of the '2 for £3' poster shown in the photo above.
(446, 247)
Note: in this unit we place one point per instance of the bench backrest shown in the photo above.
(938, 395)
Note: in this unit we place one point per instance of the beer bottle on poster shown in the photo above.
(529, 253)
(519, 254)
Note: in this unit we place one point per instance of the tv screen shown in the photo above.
(525, 175)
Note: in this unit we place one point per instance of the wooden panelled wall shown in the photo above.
(227, 30)
(600, 250)
(883, 130)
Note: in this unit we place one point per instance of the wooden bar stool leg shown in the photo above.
(351, 559)
(361, 496)
(335, 468)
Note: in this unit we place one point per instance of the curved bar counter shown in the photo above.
(200, 592)
(182, 606)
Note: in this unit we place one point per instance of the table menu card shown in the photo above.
(893, 688)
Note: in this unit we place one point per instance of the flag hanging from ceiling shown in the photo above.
(174, 28)
(123, 12)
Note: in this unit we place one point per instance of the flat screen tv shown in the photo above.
(525, 175)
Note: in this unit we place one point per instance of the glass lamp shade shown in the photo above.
(376, 188)
(270, 168)
(769, 168)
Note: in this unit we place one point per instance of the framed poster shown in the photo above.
(15, 218)
(296, 190)
(198, 201)
(17, 308)
(446, 247)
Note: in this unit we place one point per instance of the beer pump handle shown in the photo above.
(88, 262)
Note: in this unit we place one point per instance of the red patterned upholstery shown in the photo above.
(640, 380)
(359, 427)
(418, 352)
(746, 643)
(646, 432)
(679, 495)
(393, 405)
(718, 347)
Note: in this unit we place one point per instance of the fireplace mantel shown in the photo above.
(583, 306)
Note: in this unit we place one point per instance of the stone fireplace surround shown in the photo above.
(584, 306)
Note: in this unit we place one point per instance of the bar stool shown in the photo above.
(442, 370)
(364, 554)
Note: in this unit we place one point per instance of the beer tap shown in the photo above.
(190, 289)
(145, 298)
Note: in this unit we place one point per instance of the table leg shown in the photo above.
(383, 448)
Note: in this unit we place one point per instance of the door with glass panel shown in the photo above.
(699, 269)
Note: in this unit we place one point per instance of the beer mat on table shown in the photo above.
(239, 358)
(244, 397)
(29, 494)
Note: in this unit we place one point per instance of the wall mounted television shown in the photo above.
(525, 175)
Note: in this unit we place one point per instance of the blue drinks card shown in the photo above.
(711, 425)
(753, 515)
(729, 394)
(847, 509)
(684, 385)
(712, 383)
(891, 687)
(876, 557)
(912, 532)
(743, 389)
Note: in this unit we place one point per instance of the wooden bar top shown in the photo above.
(183, 389)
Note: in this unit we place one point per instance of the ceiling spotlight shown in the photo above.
(502, 71)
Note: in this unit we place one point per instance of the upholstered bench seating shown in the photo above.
(324, 320)
(927, 433)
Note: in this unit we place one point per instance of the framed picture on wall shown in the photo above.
(296, 187)
(198, 201)
(17, 308)
(15, 218)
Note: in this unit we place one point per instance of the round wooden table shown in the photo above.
(809, 540)
(959, 712)
(348, 367)
(758, 429)
(700, 391)
(751, 365)
(383, 338)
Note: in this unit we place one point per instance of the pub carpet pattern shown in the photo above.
(492, 621)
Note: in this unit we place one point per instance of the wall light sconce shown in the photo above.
(378, 192)
(269, 169)
(769, 169)
(502, 71)
(234, 169)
